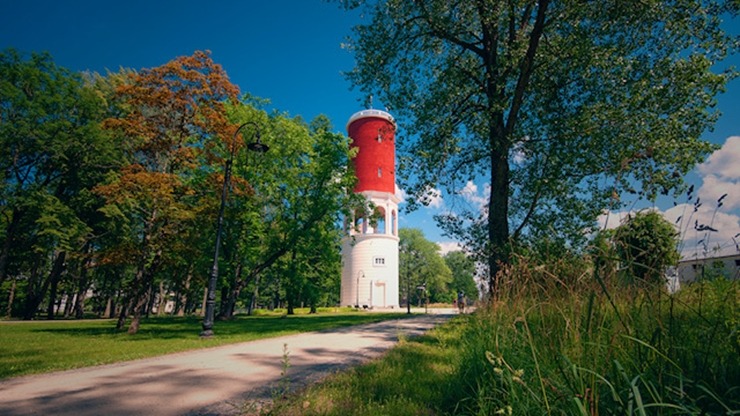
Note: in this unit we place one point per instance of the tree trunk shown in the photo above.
(151, 298)
(290, 288)
(109, 307)
(30, 304)
(82, 287)
(69, 302)
(203, 303)
(230, 306)
(10, 231)
(11, 297)
(37, 290)
(224, 301)
(79, 308)
(162, 300)
(143, 283)
(138, 310)
(255, 295)
(498, 216)
(182, 298)
(122, 316)
(54, 276)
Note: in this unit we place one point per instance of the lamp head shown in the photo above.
(258, 146)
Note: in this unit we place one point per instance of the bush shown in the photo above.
(646, 244)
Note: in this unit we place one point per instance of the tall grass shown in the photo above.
(563, 339)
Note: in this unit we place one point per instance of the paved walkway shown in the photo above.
(215, 381)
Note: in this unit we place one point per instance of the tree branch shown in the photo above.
(527, 66)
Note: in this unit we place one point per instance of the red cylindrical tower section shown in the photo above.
(373, 132)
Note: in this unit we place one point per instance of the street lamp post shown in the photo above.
(410, 254)
(256, 146)
(408, 283)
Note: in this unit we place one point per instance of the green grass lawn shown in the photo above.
(43, 346)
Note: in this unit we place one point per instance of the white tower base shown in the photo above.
(370, 257)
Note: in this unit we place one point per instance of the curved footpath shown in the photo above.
(215, 381)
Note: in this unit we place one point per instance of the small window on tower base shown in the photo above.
(379, 261)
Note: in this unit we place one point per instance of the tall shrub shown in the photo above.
(646, 245)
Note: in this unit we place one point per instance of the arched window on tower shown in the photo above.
(360, 222)
(378, 221)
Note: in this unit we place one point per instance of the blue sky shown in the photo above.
(287, 51)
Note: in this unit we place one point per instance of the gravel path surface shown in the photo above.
(214, 381)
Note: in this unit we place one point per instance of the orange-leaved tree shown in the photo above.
(172, 114)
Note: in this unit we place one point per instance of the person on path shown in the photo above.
(461, 301)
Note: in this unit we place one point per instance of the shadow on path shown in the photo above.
(214, 381)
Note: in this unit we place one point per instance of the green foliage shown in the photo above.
(113, 183)
(646, 244)
(557, 106)
(421, 266)
(289, 219)
(52, 153)
(463, 275)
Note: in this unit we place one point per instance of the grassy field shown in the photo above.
(573, 346)
(43, 346)
(556, 350)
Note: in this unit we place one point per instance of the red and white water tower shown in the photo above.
(370, 246)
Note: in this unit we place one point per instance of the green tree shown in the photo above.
(174, 112)
(298, 190)
(462, 267)
(559, 107)
(52, 152)
(422, 268)
(646, 245)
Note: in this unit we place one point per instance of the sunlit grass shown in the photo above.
(569, 351)
(414, 378)
(42, 346)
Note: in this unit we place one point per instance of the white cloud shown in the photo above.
(727, 225)
(713, 187)
(449, 246)
(469, 189)
(610, 220)
(720, 175)
(685, 220)
(401, 194)
(433, 198)
(724, 162)
(470, 193)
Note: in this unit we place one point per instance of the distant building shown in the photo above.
(691, 270)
